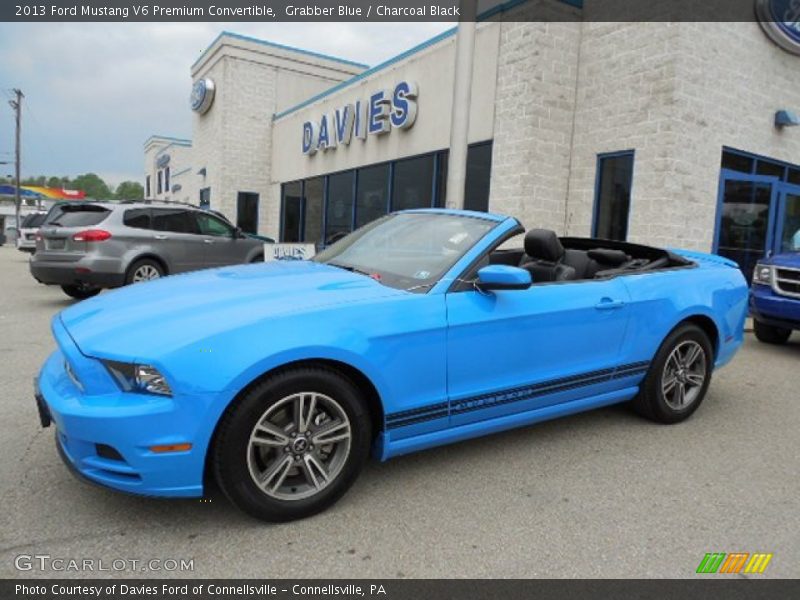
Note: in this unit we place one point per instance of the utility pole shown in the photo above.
(17, 106)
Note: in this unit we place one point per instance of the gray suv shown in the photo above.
(85, 247)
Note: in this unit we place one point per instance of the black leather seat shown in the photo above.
(543, 257)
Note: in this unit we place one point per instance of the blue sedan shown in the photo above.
(420, 329)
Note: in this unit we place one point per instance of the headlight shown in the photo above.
(138, 378)
(762, 275)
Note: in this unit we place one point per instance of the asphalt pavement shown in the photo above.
(602, 494)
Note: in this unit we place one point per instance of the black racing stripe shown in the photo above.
(508, 396)
(414, 420)
(416, 411)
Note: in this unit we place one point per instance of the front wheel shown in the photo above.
(80, 291)
(292, 445)
(769, 334)
(678, 378)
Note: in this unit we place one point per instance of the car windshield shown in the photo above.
(408, 251)
(77, 215)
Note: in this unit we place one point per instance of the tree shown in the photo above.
(129, 190)
(93, 185)
(57, 182)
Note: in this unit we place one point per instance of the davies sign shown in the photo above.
(383, 111)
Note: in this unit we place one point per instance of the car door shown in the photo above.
(221, 245)
(512, 351)
(175, 238)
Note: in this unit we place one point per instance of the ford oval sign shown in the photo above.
(202, 95)
(781, 21)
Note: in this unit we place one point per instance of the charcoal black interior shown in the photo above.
(549, 258)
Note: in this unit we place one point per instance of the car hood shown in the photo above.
(790, 260)
(173, 312)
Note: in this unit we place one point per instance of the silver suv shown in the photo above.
(85, 247)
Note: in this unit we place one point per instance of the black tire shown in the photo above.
(652, 401)
(80, 291)
(770, 334)
(143, 264)
(234, 460)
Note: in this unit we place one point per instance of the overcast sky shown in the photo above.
(94, 92)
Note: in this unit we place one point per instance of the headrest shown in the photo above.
(543, 244)
(607, 256)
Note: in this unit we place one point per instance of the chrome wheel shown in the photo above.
(145, 273)
(299, 446)
(684, 375)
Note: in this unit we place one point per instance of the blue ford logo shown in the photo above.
(202, 95)
(781, 21)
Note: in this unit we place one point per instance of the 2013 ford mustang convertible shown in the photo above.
(420, 329)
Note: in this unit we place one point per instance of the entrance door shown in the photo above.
(787, 227)
(745, 218)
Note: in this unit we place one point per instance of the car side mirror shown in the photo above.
(238, 233)
(503, 277)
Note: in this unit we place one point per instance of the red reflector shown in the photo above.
(82, 270)
(91, 235)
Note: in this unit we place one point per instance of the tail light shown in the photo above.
(39, 237)
(92, 235)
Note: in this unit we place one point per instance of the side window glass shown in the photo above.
(209, 225)
(173, 220)
(138, 218)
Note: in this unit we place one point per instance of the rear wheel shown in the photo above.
(678, 378)
(292, 445)
(145, 269)
(770, 334)
(80, 291)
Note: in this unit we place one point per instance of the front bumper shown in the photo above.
(105, 273)
(105, 435)
(773, 309)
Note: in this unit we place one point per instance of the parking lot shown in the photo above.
(603, 494)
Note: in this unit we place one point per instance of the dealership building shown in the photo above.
(668, 133)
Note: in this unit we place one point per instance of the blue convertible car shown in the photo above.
(422, 328)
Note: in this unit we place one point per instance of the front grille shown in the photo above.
(787, 282)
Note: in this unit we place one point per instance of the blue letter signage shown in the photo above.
(383, 111)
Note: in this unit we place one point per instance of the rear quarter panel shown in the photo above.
(663, 299)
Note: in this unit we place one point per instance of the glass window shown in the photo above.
(247, 211)
(160, 183)
(441, 179)
(479, 172)
(31, 221)
(764, 167)
(312, 231)
(339, 206)
(413, 183)
(138, 218)
(205, 197)
(794, 176)
(372, 195)
(166, 180)
(147, 186)
(291, 202)
(612, 202)
(80, 215)
(210, 225)
(175, 220)
(736, 162)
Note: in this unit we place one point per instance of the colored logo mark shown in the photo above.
(735, 562)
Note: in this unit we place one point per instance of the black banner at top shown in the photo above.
(785, 11)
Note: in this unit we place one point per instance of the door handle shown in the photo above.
(161, 237)
(207, 241)
(609, 304)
